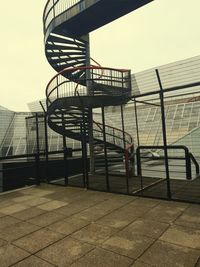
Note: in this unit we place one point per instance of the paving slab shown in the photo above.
(141, 264)
(28, 190)
(6, 202)
(3, 242)
(183, 236)
(46, 218)
(33, 261)
(13, 208)
(190, 217)
(67, 195)
(10, 254)
(65, 252)
(52, 205)
(100, 257)
(145, 227)
(28, 213)
(37, 192)
(53, 188)
(128, 213)
(38, 240)
(100, 209)
(7, 221)
(68, 225)
(2, 215)
(166, 211)
(17, 231)
(10, 195)
(168, 255)
(37, 201)
(78, 206)
(23, 198)
(94, 233)
(126, 245)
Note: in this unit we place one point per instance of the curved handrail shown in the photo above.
(115, 129)
(86, 68)
(114, 76)
(52, 9)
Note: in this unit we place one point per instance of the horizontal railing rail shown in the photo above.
(36, 154)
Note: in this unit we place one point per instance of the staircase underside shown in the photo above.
(94, 17)
(88, 101)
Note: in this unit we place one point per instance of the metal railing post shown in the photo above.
(85, 148)
(105, 149)
(83, 156)
(126, 154)
(37, 168)
(136, 123)
(188, 165)
(164, 135)
(65, 152)
(46, 146)
(54, 12)
(37, 133)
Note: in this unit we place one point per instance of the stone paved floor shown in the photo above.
(55, 226)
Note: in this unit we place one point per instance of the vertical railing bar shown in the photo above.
(164, 134)
(65, 150)
(105, 150)
(46, 145)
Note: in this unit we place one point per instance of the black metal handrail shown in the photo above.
(196, 164)
(36, 154)
(188, 158)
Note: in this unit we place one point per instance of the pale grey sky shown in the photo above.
(160, 32)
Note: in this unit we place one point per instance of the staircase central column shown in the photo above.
(90, 114)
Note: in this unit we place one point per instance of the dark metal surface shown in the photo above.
(164, 135)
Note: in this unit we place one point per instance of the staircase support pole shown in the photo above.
(90, 115)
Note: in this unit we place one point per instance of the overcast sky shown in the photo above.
(158, 33)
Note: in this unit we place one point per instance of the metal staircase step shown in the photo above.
(66, 59)
(62, 46)
(64, 40)
(53, 53)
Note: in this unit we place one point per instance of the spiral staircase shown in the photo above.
(80, 86)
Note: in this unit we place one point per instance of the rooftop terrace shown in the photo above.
(57, 226)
